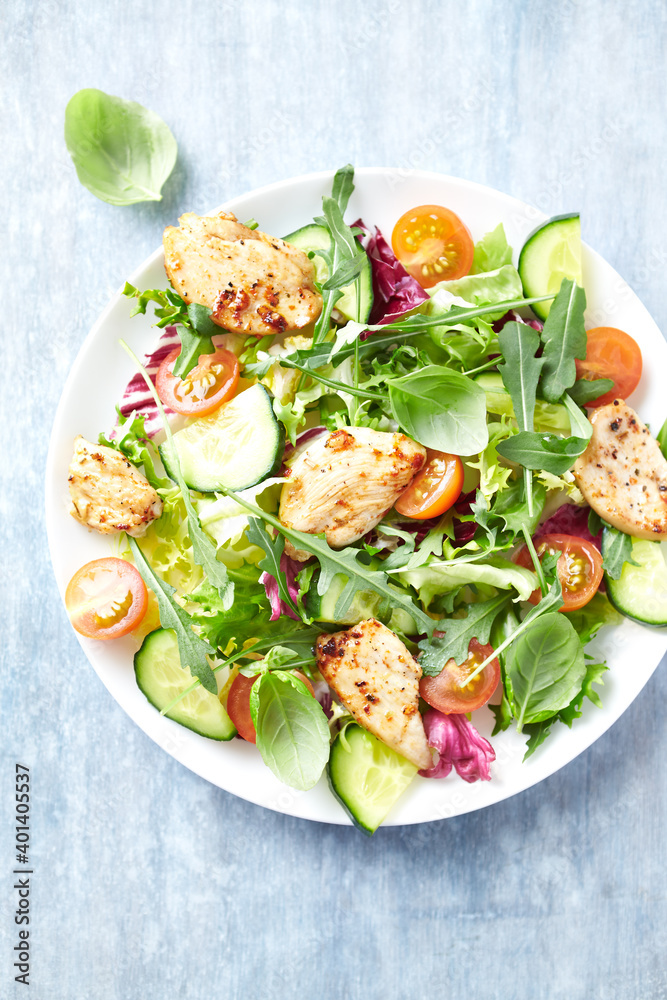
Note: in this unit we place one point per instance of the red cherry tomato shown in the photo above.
(238, 703)
(210, 383)
(613, 354)
(445, 693)
(435, 488)
(106, 599)
(433, 244)
(579, 567)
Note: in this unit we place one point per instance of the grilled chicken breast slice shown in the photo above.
(345, 482)
(108, 493)
(377, 679)
(252, 282)
(623, 474)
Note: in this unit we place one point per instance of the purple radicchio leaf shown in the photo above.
(137, 397)
(459, 745)
(570, 520)
(513, 316)
(395, 292)
(290, 567)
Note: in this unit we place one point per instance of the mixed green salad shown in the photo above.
(502, 552)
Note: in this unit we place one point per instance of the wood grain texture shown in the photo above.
(150, 884)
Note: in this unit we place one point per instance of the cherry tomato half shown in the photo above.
(238, 703)
(106, 598)
(613, 354)
(433, 244)
(579, 568)
(210, 383)
(445, 693)
(435, 488)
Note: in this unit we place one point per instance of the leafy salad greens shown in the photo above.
(466, 371)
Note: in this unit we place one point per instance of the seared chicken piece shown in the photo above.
(344, 483)
(623, 474)
(108, 493)
(253, 283)
(377, 679)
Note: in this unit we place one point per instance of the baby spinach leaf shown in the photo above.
(441, 409)
(123, 153)
(616, 551)
(564, 339)
(292, 730)
(545, 667)
(191, 648)
(586, 390)
(537, 732)
(454, 644)
(519, 344)
(542, 451)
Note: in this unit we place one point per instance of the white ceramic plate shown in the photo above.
(102, 370)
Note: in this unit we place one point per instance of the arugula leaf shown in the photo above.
(545, 669)
(521, 370)
(346, 273)
(123, 153)
(343, 186)
(564, 339)
(170, 308)
(203, 550)
(458, 634)
(292, 729)
(545, 452)
(441, 409)
(492, 251)
(333, 561)
(248, 618)
(502, 714)
(273, 548)
(579, 422)
(537, 733)
(616, 551)
(132, 441)
(277, 658)
(509, 510)
(191, 648)
(586, 390)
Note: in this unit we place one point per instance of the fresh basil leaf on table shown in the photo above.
(123, 153)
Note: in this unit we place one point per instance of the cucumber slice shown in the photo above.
(160, 676)
(640, 592)
(366, 776)
(314, 238)
(237, 446)
(550, 417)
(552, 252)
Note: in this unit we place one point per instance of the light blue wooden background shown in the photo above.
(150, 884)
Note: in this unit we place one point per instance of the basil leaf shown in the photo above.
(441, 408)
(564, 339)
(292, 730)
(616, 551)
(192, 650)
(123, 153)
(586, 390)
(521, 371)
(542, 451)
(458, 633)
(545, 667)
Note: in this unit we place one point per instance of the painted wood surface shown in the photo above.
(149, 883)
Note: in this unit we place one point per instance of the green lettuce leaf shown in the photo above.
(438, 576)
(492, 251)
